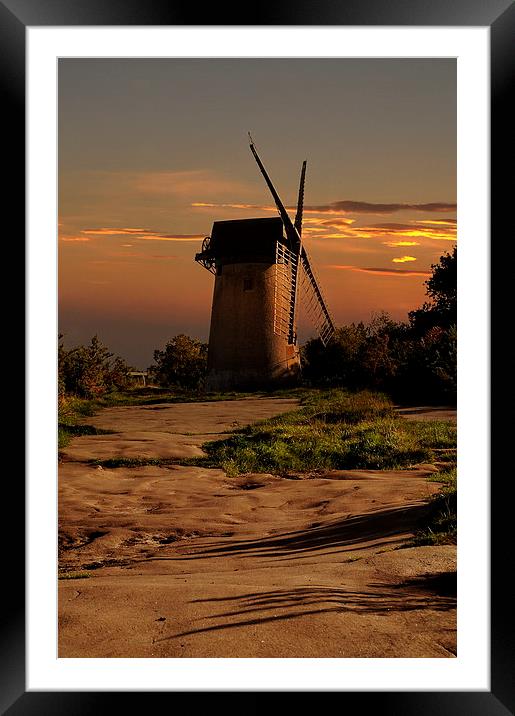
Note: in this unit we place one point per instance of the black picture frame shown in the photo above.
(499, 16)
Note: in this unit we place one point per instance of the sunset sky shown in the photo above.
(151, 152)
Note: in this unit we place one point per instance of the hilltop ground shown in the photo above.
(184, 561)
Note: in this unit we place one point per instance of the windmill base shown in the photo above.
(223, 380)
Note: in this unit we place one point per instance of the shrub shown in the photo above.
(89, 371)
(182, 363)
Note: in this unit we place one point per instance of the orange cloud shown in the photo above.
(313, 230)
(444, 222)
(343, 229)
(211, 205)
(142, 234)
(413, 229)
(74, 238)
(269, 207)
(395, 244)
(115, 232)
(314, 226)
(139, 255)
(403, 259)
(380, 271)
(173, 237)
(329, 223)
(341, 208)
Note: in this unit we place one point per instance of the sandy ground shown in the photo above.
(428, 412)
(186, 562)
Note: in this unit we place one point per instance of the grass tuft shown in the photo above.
(332, 430)
(74, 575)
(440, 524)
(114, 462)
(153, 395)
(72, 411)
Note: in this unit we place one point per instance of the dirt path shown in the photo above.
(428, 412)
(185, 562)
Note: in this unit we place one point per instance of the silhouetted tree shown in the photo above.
(411, 361)
(441, 310)
(338, 363)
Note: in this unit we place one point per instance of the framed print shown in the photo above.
(73, 75)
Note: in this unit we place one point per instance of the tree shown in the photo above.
(441, 310)
(357, 356)
(182, 363)
(441, 287)
(89, 371)
(338, 363)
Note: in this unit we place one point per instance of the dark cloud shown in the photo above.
(365, 207)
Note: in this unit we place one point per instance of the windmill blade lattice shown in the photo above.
(286, 269)
(313, 301)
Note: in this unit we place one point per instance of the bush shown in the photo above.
(182, 363)
(90, 371)
(413, 361)
(386, 356)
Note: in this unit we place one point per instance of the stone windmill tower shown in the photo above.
(259, 267)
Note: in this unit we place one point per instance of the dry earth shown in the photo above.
(186, 562)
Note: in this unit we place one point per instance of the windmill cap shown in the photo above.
(233, 226)
(246, 239)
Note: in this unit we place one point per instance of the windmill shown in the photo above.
(262, 269)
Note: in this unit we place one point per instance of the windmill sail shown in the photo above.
(286, 263)
(314, 302)
(286, 272)
(292, 234)
(300, 201)
(292, 263)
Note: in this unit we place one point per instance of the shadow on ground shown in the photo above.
(376, 527)
(260, 607)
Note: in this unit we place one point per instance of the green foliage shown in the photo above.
(448, 478)
(89, 371)
(333, 430)
(67, 431)
(114, 462)
(85, 374)
(74, 575)
(63, 438)
(72, 410)
(436, 434)
(440, 524)
(152, 395)
(182, 363)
